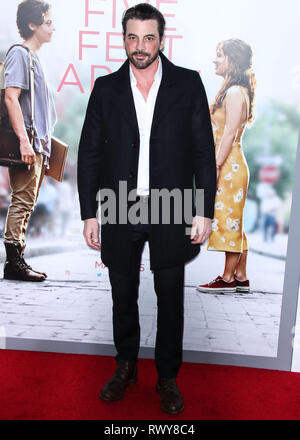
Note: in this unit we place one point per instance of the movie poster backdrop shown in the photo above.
(71, 310)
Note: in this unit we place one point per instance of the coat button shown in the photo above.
(131, 175)
(133, 145)
(106, 141)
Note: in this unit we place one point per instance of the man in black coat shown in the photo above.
(147, 129)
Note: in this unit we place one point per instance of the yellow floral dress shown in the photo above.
(227, 226)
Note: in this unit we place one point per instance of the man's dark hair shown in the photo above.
(30, 11)
(144, 11)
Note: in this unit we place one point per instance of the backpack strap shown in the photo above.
(20, 45)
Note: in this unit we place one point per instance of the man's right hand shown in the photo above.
(27, 152)
(91, 233)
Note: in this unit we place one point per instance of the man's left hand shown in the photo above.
(201, 229)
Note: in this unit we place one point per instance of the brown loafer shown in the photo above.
(171, 399)
(125, 375)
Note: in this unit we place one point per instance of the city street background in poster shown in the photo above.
(74, 304)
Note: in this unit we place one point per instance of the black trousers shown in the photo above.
(169, 289)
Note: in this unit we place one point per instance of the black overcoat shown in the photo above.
(182, 155)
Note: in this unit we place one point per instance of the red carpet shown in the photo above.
(50, 386)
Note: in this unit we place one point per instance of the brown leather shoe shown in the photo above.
(125, 375)
(15, 268)
(171, 399)
(26, 264)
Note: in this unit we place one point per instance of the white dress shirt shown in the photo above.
(144, 111)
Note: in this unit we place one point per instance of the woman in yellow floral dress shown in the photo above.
(231, 111)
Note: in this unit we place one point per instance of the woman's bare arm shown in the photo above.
(234, 103)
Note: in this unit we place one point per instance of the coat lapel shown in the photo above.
(125, 97)
(166, 94)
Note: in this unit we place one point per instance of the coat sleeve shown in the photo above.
(88, 163)
(203, 148)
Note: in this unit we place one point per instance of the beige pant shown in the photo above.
(25, 186)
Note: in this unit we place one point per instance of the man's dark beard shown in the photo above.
(142, 64)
